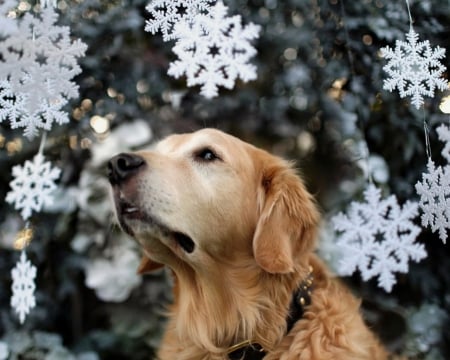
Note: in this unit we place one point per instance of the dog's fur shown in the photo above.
(254, 227)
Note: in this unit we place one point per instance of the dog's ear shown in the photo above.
(287, 225)
(147, 265)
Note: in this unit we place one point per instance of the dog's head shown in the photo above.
(206, 198)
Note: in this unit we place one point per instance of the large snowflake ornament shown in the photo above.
(32, 185)
(214, 51)
(377, 237)
(23, 286)
(414, 68)
(434, 192)
(37, 66)
(164, 14)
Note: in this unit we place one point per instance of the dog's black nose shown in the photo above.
(122, 166)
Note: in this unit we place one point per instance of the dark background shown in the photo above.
(318, 99)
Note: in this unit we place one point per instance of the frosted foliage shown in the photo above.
(377, 237)
(214, 51)
(37, 66)
(32, 185)
(434, 192)
(8, 25)
(414, 68)
(23, 286)
(444, 135)
(114, 279)
(164, 14)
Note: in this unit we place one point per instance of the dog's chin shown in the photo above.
(134, 221)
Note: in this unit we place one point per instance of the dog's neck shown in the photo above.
(249, 304)
(300, 299)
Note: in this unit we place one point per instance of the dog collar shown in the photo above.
(249, 350)
(246, 350)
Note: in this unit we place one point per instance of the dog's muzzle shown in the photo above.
(123, 166)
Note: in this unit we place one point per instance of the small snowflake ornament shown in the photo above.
(23, 286)
(377, 237)
(214, 51)
(164, 14)
(32, 185)
(37, 65)
(434, 192)
(414, 68)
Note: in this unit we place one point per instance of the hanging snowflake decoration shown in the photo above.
(23, 286)
(378, 238)
(37, 66)
(414, 68)
(164, 14)
(32, 185)
(434, 192)
(214, 51)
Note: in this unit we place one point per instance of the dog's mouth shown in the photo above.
(128, 212)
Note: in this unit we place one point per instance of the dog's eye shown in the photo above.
(206, 154)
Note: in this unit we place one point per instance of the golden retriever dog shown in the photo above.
(236, 227)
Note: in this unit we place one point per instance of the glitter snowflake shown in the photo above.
(23, 286)
(434, 192)
(32, 185)
(214, 51)
(37, 65)
(164, 14)
(378, 237)
(414, 68)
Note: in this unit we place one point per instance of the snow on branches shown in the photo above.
(377, 237)
(37, 65)
(414, 68)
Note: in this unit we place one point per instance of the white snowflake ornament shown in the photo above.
(23, 286)
(164, 14)
(37, 66)
(414, 68)
(378, 237)
(214, 51)
(32, 185)
(434, 192)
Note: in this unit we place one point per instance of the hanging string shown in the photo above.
(409, 14)
(42, 145)
(427, 137)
